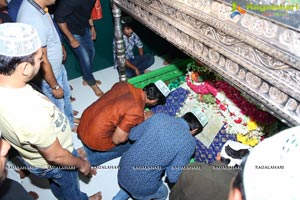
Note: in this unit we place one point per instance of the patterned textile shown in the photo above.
(208, 155)
(173, 103)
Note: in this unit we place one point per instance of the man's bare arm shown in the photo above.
(59, 156)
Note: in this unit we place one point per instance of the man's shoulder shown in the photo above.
(27, 12)
(26, 6)
(160, 119)
(123, 86)
(119, 87)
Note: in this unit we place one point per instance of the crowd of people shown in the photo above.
(37, 119)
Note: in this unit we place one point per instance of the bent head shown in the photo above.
(196, 120)
(156, 93)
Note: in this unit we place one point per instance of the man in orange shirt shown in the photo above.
(105, 125)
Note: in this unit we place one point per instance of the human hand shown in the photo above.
(93, 171)
(93, 32)
(85, 168)
(74, 43)
(58, 93)
(137, 71)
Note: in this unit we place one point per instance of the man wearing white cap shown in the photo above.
(104, 125)
(162, 143)
(271, 171)
(29, 121)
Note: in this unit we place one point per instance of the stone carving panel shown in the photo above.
(213, 55)
(259, 26)
(277, 96)
(291, 40)
(231, 67)
(253, 54)
(292, 104)
(252, 80)
(264, 88)
(241, 74)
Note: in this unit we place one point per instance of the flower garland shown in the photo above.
(242, 118)
(246, 107)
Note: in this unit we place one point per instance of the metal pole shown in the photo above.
(119, 43)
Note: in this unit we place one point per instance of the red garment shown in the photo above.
(121, 106)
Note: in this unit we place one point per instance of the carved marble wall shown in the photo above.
(259, 56)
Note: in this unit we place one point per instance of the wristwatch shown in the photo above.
(56, 87)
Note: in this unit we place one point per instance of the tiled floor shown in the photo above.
(106, 178)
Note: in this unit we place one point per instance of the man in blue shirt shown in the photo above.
(54, 83)
(163, 144)
(135, 65)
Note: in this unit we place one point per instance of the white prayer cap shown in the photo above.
(18, 39)
(200, 116)
(272, 168)
(163, 88)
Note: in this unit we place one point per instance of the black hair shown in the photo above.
(126, 25)
(153, 93)
(193, 122)
(8, 64)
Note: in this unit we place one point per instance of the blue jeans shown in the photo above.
(141, 62)
(85, 54)
(99, 157)
(160, 194)
(64, 104)
(63, 183)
